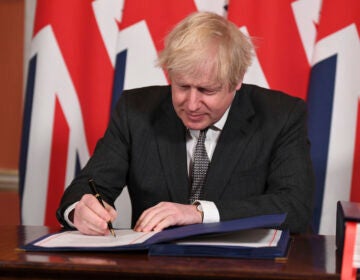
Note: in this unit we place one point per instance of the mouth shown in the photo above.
(195, 117)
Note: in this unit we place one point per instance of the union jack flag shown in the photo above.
(334, 117)
(85, 53)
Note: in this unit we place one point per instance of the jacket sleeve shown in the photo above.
(108, 165)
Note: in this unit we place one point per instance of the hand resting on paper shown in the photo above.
(165, 214)
(91, 218)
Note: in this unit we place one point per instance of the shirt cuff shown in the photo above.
(211, 213)
(67, 213)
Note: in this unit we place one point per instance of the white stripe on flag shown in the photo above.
(344, 44)
(51, 79)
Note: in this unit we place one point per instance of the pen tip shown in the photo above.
(113, 232)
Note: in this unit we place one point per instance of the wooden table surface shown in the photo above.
(310, 257)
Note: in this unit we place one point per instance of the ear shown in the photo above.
(238, 86)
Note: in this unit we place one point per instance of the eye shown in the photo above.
(206, 91)
(183, 87)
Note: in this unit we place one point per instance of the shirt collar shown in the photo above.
(219, 125)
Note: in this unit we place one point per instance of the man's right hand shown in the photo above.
(91, 218)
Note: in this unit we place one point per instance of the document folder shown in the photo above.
(174, 241)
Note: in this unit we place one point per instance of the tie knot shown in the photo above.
(202, 134)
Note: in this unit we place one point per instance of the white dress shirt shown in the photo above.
(211, 213)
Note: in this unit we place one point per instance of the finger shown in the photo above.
(112, 212)
(85, 228)
(83, 221)
(144, 220)
(146, 216)
(162, 220)
(165, 223)
(174, 215)
(90, 217)
(150, 217)
(92, 202)
(160, 216)
(167, 214)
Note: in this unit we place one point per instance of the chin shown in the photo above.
(196, 126)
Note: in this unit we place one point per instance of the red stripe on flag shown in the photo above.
(59, 151)
(278, 44)
(82, 46)
(337, 14)
(160, 16)
(355, 182)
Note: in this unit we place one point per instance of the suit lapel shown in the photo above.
(236, 133)
(171, 138)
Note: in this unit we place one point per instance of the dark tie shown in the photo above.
(199, 169)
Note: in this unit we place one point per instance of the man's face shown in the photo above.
(200, 100)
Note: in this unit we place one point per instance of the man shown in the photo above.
(256, 141)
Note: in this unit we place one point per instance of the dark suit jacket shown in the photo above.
(261, 164)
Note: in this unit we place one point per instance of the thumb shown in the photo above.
(111, 211)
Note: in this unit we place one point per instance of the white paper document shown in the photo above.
(77, 239)
(246, 238)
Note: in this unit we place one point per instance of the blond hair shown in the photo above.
(202, 37)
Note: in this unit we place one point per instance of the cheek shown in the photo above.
(215, 105)
(226, 101)
(178, 99)
(177, 103)
(218, 106)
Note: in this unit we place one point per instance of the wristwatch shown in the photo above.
(199, 209)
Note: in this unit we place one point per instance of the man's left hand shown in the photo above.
(166, 214)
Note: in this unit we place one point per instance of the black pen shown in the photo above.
(97, 195)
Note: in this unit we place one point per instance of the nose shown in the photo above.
(194, 100)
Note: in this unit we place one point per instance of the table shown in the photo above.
(310, 257)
